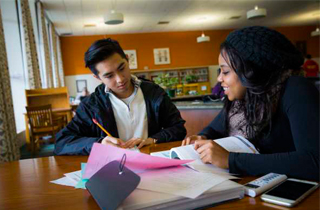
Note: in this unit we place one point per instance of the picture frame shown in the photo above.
(81, 83)
(132, 58)
(161, 56)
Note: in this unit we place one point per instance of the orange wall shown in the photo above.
(184, 50)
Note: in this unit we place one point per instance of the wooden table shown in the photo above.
(25, 185)
(55, 112)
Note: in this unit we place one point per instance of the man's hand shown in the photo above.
(113, 141)
(192, 139)
(211, 152)
(138, 141)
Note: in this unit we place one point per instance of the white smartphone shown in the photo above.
(289, 192)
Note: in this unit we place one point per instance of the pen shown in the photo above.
(98, 124)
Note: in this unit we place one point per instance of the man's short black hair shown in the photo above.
(101, 50)
(308, 56)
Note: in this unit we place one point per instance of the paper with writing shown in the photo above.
(103, 154)
(180, 181)
(74, 176)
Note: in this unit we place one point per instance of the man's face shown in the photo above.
(114, 72)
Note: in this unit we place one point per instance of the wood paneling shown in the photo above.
(197, 119)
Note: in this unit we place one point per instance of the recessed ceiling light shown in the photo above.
(234, 17)
(163, 22)
(66, 34)
(89, 25)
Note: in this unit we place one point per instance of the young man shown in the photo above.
(134, 112)
(311, 67)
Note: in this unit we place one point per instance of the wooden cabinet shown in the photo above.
(57, 97)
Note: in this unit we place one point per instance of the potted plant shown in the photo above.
(190, 78)
(168, 83)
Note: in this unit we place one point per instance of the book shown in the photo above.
(149, 200)
(231, 144)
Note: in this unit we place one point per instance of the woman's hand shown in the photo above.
(113, 141)
(192, 139)
(211, 152)
(138, 141)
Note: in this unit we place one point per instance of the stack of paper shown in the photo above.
(70, 179)
(149, 200)
(165, 184)
(73, 179)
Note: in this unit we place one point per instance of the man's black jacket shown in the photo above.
(164, 121)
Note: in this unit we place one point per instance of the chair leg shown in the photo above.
(35, 146)
(32, 146)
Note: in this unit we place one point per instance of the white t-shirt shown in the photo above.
(131, 115)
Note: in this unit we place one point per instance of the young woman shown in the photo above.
(275, 110)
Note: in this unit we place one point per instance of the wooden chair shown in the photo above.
(42, 123)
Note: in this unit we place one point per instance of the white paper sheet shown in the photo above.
(237, 144)
(64, 181)
(180, 181)
(74, 176)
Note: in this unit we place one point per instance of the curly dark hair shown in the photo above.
(257, 103)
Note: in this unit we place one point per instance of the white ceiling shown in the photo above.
(142, 16)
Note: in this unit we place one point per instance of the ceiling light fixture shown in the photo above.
(203, 38)
(256, 13)
(113, 18)
(316, 32)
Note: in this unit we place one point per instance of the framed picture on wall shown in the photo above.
(161, 56)
(132, 58)
(81, 83)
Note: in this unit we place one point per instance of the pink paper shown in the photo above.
(103, 154)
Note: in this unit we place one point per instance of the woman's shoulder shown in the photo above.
(298, 83)
(298, 88)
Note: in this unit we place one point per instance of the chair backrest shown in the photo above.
(39, 116)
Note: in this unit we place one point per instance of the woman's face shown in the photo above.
(230, 80)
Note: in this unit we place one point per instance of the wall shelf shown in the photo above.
(202, 86)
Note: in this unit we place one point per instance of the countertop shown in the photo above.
(198, 105)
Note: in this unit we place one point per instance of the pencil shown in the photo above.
(104, 130)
